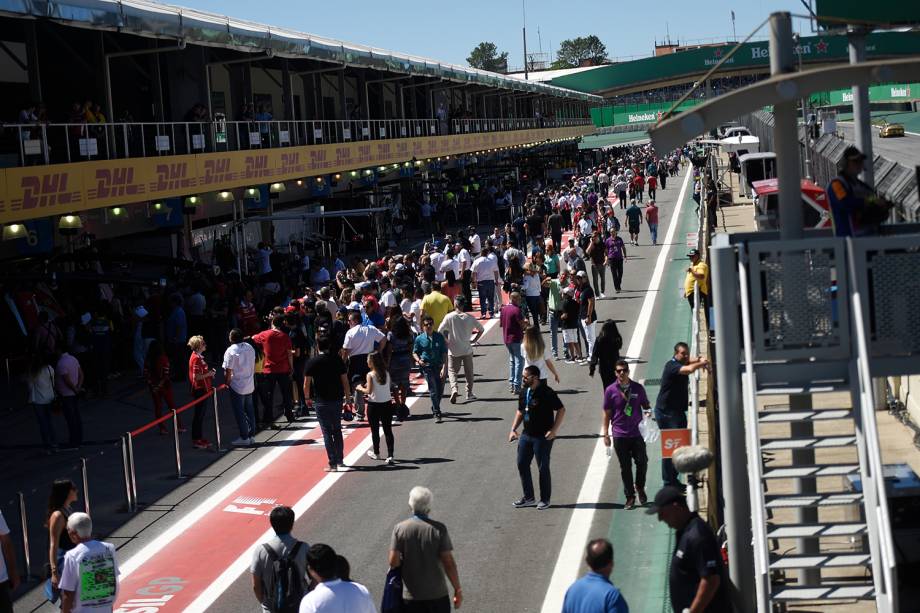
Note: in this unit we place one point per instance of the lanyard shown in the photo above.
(627, 395)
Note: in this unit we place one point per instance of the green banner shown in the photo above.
(893, 92)
(625, 114)
(838, 13)
(654, 70)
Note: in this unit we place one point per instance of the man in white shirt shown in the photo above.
(475, 242)
(89, 578)
(239, 374)
(331, 594)
(9, 577)
(437, 258)
(450, 263)
(461, 330)
(485, 274)
(360, 341)
(388, 297)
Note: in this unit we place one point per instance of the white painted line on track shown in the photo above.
(241, 564)
(578, 531)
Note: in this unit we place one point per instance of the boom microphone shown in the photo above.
(691, 459)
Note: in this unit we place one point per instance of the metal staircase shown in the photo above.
(819, 510)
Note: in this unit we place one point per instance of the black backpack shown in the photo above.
(287, 585)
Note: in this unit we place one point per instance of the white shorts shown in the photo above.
(569, 335)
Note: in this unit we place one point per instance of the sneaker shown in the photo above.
(570, 361)
(331, 468)
(555, 356)
(642, 496)
(630, 503)
(372, 455)
(471, 397)
(251, 441)
(453, 397)
(601, 295)
(542, 505)
(438, 419)
(524, 502)
(239, 442)
(390, 461)
(511, 387)
(201, 444)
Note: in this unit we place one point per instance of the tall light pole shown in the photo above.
(805, 128)
(524, 22)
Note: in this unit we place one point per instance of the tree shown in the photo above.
(572, 52)
(486, 57)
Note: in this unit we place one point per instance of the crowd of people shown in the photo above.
(347, 342)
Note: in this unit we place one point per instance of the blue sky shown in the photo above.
(448, 30)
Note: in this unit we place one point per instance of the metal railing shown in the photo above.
(56, 143)
(875, 496)
(127, 443)
(752, 431)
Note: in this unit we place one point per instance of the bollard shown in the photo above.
(216, 423)
(86, 506)
(125, 466)
(24, 520)
(9, 384)
(132, 470)
(176, 441)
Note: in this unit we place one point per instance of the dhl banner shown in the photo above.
(41, 191)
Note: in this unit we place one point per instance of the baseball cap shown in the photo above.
(666, 496)
(692, 253)
(582, 274)
(568, 291)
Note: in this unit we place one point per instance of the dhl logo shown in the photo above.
(257, 166)
(343, 153)
(217, 171)
(113, 182)
(172, 176)
(290, 160)
(44, 191)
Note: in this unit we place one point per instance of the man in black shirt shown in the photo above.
(535, 228)
(673, 397)
(555, 229)
(327, 376)
(587, 314)
(541, 412)
(697, 578)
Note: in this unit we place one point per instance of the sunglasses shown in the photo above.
(619, 370)
(427, 323)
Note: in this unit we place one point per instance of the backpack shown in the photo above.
(287, 586)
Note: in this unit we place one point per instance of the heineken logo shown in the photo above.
(637, 117)
(847, 96)
(900, 92)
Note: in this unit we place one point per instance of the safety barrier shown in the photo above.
(127, 443)
(55, 143)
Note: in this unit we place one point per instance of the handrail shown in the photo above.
(875, 497)
(184, 407)
(752, 430)
(52, 143)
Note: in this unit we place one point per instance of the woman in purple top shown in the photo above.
(512, 322)
(625, 402)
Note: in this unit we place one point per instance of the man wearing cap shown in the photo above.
(461, 330)
(696, 579)
(855, 209)
(697, 282)
(625, 402)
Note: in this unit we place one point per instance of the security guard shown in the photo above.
(855, 209)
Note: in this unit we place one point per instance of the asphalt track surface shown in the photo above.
(191, 551)
(904, 150)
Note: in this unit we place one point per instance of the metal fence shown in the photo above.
(56, 143)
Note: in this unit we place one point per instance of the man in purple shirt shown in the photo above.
(512, 322)
(616, 253)
(624, 404)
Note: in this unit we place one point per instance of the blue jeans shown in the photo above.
(329, 415)
(653, 230)
(45, 428)
(554, 331)
(515, 364)
(667, 421)
(244, 409)
(435, 384)
(528, 447)
(74, 421)
(486, 297)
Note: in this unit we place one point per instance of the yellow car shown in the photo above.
(890, 129)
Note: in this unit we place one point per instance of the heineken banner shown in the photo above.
(625, 114)
(897, 92)
(605, 80)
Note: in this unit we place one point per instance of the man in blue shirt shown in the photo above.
(594, 593)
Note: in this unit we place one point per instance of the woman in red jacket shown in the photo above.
(201, 378)
(156, 373)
